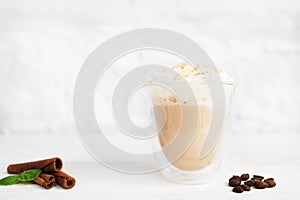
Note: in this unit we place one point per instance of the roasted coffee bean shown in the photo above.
(269, 179)
(256, 179)
(271, 183)
(245, 177)
(238, 189)
(256, 182)
(234, 177)
(258, 176)
(246, 187)
(234, 182)
(261, 185)
(249, 183)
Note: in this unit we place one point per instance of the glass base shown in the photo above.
(199, 177)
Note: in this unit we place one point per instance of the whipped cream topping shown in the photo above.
(196, 77)
(201, 73)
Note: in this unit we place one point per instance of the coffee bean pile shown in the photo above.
(256, 181)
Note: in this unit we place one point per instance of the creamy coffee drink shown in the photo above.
(190, 160)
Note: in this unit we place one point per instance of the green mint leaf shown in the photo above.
(9, 180)
(29, 175)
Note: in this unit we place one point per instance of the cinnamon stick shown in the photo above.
(47, 165)
(47, 177)
(42, 182)
(64, 180)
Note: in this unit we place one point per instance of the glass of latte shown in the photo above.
(200, 161)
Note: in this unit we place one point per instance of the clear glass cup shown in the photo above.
(190, 167)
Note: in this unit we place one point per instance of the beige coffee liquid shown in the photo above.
(190, 160)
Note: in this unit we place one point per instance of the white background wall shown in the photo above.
(44, 43)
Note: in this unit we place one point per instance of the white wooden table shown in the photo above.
(275, 156)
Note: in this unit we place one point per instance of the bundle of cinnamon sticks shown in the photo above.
(51, 172)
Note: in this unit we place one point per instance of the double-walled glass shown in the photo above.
(191, 167)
